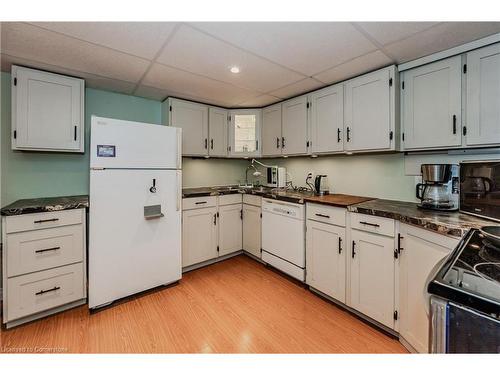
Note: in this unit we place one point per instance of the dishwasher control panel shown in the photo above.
(291, 210)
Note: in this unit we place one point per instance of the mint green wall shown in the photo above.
(36, 174)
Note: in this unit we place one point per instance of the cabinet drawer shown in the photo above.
(230, 199)
(199, 202)
(43, 220)
(373, 224)
(254, 200)
(42, 249)
(44, 290)
(326, 214)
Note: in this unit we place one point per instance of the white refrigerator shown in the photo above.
(135, 208)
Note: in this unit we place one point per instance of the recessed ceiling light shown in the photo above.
(234, 69)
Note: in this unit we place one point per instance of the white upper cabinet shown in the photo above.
(217, 125)
(271, 130)
(327, 119)
(483, 97)
(192, 118)
(244, 132)
(370, 111)
(294, 126)
(47, 111)
(431, 105)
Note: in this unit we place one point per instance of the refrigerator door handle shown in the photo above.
(179, 148)
(179, 189)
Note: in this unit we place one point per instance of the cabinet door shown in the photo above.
(199, 235)
(431, 105)
(251, 229)
(230, 229)
(368, 107)
(422, 250)
(244, 132)
(325, 259)
(327, 119)
(192, 118)
(294, 127)
(372, 276)
(271, 130)
(483, 96)
(47, 111)
(217, 125)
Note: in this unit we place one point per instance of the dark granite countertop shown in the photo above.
(265, 192)
(453, 224)
(337, 200)
(28, 206)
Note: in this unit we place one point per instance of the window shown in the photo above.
(245, 131)
(245, 134)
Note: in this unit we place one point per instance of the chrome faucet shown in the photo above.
(256, 173)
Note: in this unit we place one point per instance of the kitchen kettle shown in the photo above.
(321, 184)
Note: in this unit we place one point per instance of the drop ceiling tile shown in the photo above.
(441, 37)
(143, 39)
(91, 80)
(36, 44)
(197, 52)
(297, 88)
(307, 47)
(357, 66)
(151, 92)
(188, 84)
(259, 101)
(388, 32)
(161, 94)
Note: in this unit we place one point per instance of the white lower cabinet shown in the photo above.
(230, 228)
(372, 276)
(211, 231)
(325, 259)
(199, 235)
(421, 251)
(44, 263)
(252, 229)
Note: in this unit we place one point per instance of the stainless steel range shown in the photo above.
(465, 306)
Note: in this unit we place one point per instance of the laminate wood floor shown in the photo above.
(235, 306)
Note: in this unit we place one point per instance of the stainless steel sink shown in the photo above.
(229, 188)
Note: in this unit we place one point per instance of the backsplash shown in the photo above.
(380, 176)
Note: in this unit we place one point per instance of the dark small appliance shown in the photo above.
(480, 188)
(321, 184)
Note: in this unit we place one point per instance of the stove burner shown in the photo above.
(489, 268)
(489, 252)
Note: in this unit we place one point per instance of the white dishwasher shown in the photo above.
(283, 237)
